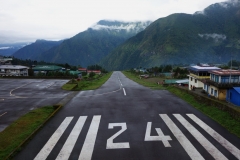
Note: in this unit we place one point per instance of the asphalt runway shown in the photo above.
(126, 121)
(19, 96)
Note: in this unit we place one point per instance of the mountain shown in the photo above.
(33, 50)
(89, 47)
(9, 49)
(212, 35)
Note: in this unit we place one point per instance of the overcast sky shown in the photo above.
(28, 20)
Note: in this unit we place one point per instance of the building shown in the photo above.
(82, 70)
(221, 81)
(233, 95)
(13, 70)
(6, 61)
(94, 71)
(89, 71)
(198, 74)
(46, 68)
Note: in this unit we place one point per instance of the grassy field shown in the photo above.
(148, 82)
(21, 129)
(98, 81)
(222, 117)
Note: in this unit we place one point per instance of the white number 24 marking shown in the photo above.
(110, 144)
(148, 137)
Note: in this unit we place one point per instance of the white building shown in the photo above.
(13, 70)
(198, 74)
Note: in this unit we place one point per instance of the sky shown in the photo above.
(28, 20)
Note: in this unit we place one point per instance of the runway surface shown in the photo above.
(123, 120)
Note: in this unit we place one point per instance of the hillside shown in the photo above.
(212, 35)
(33, 50)
(90, 46)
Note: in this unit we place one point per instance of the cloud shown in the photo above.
(226, 4)
(128, 26)
(216, 37)
(60, 19)
(2, 48)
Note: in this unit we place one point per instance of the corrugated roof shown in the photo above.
(12, 67)
(225, 72)
(185, 81)
(46, 68)
(203, 68)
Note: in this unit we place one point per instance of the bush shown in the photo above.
(92, 74)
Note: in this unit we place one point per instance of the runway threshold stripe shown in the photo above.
(45, 151)
(88, 146)
(200, 138)
(124, 92)
(186, 144)
(225, 143)
(72, 138)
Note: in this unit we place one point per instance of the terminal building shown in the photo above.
(7, 69)
(198, 74)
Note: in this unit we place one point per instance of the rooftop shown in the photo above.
(203, 68)
(12, 67)
(46, 68)
(225, 72)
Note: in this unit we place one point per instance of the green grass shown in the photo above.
(18, 131)
(69, 87)
(222, 117)
(84, 84)
(149, 82)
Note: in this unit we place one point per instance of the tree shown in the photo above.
(92, 74)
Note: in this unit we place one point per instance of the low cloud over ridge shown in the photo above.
(214, 36)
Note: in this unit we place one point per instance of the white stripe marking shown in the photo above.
(186, 144)
(3, 114)
(45, 151)
(72, 138)
(200, 138)
(124, 92)
(87, 149)
(231, 148)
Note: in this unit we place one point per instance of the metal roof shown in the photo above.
(225, 72)
(46, 68)
(12, 67)
(185, 81)
(203, 68)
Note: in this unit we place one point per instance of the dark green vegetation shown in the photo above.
(220, 116)
(89, 82)
(32, 51)
(183, 38)
(88, 47)
(21, 129)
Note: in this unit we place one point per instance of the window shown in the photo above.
(211, 91)
(234, 79)
(225, 79)
(216, 78)
(215, 93)
(191, 78)
(195, 80)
